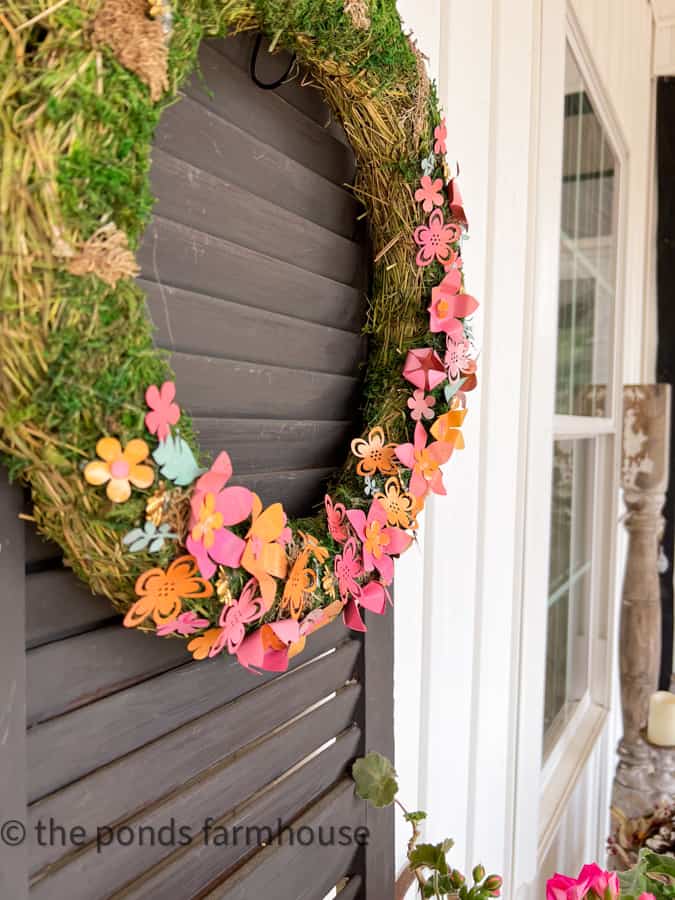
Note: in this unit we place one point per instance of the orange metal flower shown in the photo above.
(264, 557)
(161, 593)
(446, 428)
(398, 504)
(375, 455)
(300, 582)
(200, 647)
(119, 469)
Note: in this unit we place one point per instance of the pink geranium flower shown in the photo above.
(185, 624)
(605, 884)
(348, 568)
(646, 896)
(164, 412)
(457, 359)
(380, 542)
(441, 136)
(435, 239)
(212, 509)
(335, 516)
(560, 887)
(425, 462)
(421, 406)
(429, 194)
(447, 308)
(235, 616)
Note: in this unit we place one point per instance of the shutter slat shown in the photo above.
(223, 387)
(200, 200)
(299, 491)
(193, 748)
(193, 133)
(275, 445)
(206, 326)
(66, 674)
(226, 90)
(59, 605)
(172, 254)
(186, 874)
(74, 744)
(220, 790)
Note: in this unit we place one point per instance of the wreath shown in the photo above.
(88, 416)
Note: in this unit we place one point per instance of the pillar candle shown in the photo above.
(661, 721)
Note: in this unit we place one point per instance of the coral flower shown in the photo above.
(456, 203)
(425, 462)
(264, 557)
(398, 504)
(164, 412)
(119, 469)
(187, 623)
(235, 616)
(348, 570)
(421, 406)
(161, 592)
(429, 194)
(335, 516)
(457, 359)
(375, 455)
(446, 428)
(441, 136)
(200, 647)
(447, 308)
(560, 887)
(435, 240)
(380, 541)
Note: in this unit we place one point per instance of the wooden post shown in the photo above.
(644, 774)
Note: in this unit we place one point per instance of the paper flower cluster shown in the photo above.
(237, 578)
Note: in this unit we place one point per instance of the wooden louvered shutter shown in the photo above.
(254, 268)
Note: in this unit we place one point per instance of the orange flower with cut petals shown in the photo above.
(314, 547)
(208, 522)
(201, 646)
(263, 556)
(398, 504)
(161, 593)
(119, 469)
(446, 428)
(375, 454)
(300, 582)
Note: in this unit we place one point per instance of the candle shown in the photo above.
(661, 721)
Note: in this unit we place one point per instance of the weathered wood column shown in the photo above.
(644, 774)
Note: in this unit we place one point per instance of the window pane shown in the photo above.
(587, 256)
(569, 580)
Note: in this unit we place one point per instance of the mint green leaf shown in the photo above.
(176, 461)
(431, 856)
(375, 779)
(451, 389)
(417, 816)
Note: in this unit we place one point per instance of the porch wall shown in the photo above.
(465, 644)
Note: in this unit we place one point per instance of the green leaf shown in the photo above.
(176, 461)
(375, 779)
(432, 856)
(451, 389)
(417, 816)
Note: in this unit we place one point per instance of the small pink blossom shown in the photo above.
(425, 462)
(235, 616)
(185, 624)
(429, 194)
(164, 412)
(447, 308)
(605, 884)
(423, 368)
(456, 204)
(348, 569)
(646, 896)
(379, 541)
(441, 136)
(435, 240)
(457, 359)
(561, 887)
(335, 516)
(421, 406)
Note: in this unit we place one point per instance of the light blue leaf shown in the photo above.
(451, 389)
(133, 536)
(429, 163)
(150, 528)
(139, 545)
(156, 545)
(176, 461)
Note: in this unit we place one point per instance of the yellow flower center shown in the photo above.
(375, 539)
(210, 520)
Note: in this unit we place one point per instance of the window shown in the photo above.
(584, 426)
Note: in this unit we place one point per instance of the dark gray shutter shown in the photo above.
(252, 274)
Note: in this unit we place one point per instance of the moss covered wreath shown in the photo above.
(87, 411)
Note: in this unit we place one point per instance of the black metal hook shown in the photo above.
(254, 59)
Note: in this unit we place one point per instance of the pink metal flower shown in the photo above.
(421, 406)
(235, 616)
(212, 509)
(380, 542)
(441, 136)
(457, 359)
(374, 596)
(424, 369)
(456, 204)
(429, 194)
(335, 515)
(435, 239)
(185, 624)
(447, 308)
(425, 462)
(348, 568)
(605, 884)
(561, 887)
(164, 412)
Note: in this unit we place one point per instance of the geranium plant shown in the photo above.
(652, 878)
